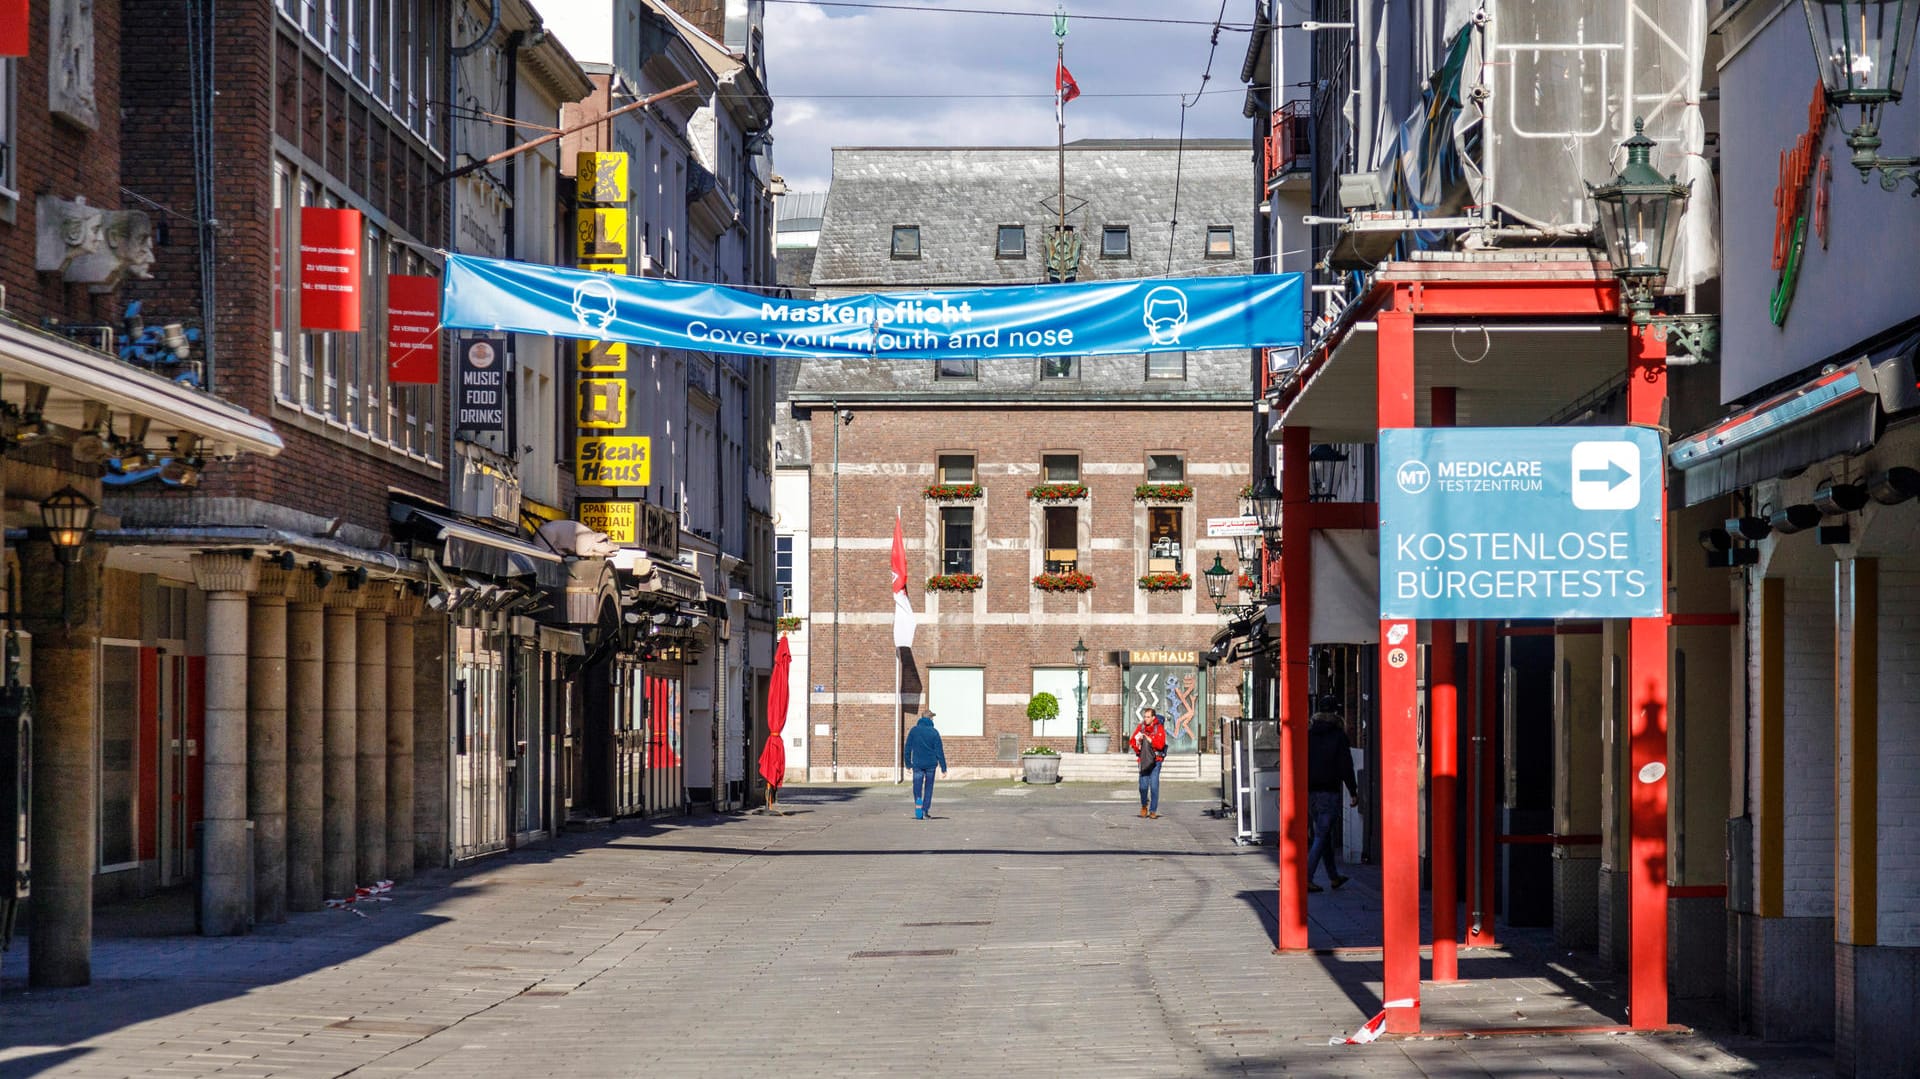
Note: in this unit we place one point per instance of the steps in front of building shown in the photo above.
(1121, 768)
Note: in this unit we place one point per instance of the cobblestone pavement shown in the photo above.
(1020, 930)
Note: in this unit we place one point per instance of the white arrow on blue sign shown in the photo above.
(1521, 522)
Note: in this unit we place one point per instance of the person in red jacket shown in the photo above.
(1149, 743)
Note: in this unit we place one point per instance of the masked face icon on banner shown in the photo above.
(593, 305)
(1165, 311)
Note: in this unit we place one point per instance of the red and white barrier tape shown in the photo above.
(377, 893)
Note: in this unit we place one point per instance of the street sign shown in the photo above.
(1521, 522)
(1227, 527)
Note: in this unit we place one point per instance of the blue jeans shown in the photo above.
(923, 789)
(1150, 789)
(1323, 810)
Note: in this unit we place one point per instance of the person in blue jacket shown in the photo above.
(923, 752)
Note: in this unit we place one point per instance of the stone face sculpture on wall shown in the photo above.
(87, 245)
(70, 62)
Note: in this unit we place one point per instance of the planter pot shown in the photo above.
(1097, 743)
(1040, 767)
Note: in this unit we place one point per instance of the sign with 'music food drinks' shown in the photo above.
(1521, 522)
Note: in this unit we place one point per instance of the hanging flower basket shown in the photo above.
(1057, 492)
(1166, 582)
(1246, 583)
(1071, 581)
(954, 492)
(1246, 489)
(1163, 492)
(788, 623)
(954, 582)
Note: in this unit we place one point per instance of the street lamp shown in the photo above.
(1863, 48)
(1639, 216)
(68, 515)
(1266, 507)
(1219, 579)
(1080, 695)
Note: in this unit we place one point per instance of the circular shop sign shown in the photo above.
(1397, 658)
(1653, 772)
(480, 354)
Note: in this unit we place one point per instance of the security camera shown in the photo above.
(846, 415)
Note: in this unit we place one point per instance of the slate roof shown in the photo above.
(959, 196)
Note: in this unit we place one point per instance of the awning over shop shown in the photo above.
(1835, 413)
(471, 549)
(75, 376)
(660, 578)
(591, 582)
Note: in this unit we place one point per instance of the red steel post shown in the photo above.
(1294, 708)
(1647, 748)
(1443, 753)
(1398, 726)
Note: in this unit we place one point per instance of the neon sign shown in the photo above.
(1799, 200)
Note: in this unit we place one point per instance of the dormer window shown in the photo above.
(1116, 242)
(1012, 242)
(1219, 241)
(906, 241)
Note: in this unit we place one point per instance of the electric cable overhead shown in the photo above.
(1217, 24)
(1180, 150)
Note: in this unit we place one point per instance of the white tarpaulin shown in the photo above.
(1346, 588)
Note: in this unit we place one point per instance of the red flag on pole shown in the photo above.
(902, 607)
(14, 28)
(1064, 90)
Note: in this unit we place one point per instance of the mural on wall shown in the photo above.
(70, 70)
(1175, 692)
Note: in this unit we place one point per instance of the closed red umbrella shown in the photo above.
(773, 756)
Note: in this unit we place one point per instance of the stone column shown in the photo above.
(306, 743)
(432, 763)
(66, 680)
(340, 700)
(226, 874)
(400, 686)
(267, 743)
(370, 856)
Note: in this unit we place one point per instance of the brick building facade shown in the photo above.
(1006, 471)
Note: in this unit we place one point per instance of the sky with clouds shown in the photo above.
(846, 76)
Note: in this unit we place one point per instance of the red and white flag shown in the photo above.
(902, 607)
(1064, 90)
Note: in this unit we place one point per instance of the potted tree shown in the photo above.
(1040, 764)
(1097, 736)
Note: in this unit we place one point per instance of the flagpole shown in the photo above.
(898, 774)
(1059, 107)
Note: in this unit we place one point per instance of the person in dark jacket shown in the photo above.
(923, 753)
(1329, 767)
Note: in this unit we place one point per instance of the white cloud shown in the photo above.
(816, 56)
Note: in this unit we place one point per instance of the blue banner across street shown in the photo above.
(1520, 522)
(1091, 319)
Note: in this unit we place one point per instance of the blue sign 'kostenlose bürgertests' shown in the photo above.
(1520, 522)
(1084, 319)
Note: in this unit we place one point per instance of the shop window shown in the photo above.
(1060, 467)
(1166, 468)
(118, 755)
(1061, 682)
(958, 695)
(1164, 540)
(1116, 242)
(956, 539)
(956, 468)
(1062, 525)
(1012, 242)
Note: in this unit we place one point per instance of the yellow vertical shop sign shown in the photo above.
(601, 235)
(614, 461)
(600, 357)
(602, 404)
(619, 520)
(601, 178)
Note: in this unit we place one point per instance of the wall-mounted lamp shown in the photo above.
(284, 560)
(1863, 48)
(68, 516)
(1894, 486)
(1638, 213)
(322, 576)
(1797, 518)
(1834, 499)
(1750, 528)
(356, 577)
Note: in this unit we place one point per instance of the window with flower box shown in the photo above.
(956, 539)
(1165, 546)
(1062, 528)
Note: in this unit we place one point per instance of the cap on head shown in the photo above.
(1328, 703)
